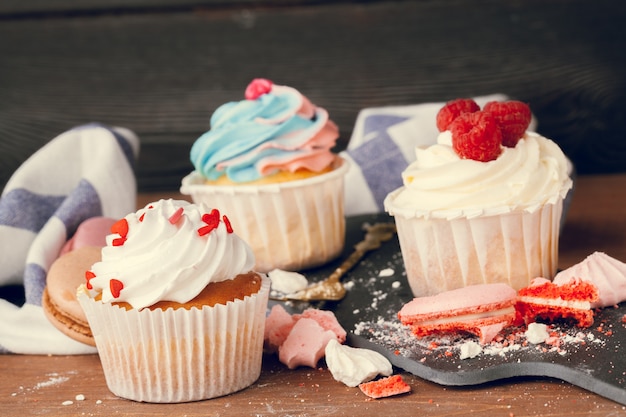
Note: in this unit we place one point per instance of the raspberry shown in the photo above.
(476, 136)
(513, 117)
(453, 109)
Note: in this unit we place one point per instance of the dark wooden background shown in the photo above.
(161, 67)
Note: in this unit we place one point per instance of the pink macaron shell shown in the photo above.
(91, 232)
(489, 332)
(470, 297)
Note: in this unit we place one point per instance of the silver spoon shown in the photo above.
(331, 289)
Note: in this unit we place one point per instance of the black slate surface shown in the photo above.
(589, 358)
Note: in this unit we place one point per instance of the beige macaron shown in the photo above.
(59, 297)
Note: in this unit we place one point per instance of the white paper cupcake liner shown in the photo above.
(179, 355)
(513, 248)
(291, 225)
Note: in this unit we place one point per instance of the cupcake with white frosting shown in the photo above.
(176, 310)
(483, 204)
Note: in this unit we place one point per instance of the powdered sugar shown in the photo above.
(54, 379)
(395, 337)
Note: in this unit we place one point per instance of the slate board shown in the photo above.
(591, 358)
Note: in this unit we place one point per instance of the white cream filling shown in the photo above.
(558, 302)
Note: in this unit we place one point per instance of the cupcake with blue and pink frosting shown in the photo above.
(268, 161)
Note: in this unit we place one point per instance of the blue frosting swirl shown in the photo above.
(245, 135)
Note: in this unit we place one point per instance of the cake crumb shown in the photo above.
(80, 397)
(68, 402)
(385, 387)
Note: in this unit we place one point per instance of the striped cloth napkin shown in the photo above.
(84, 172)
(382, 145)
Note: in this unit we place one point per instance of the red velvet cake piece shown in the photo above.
(482, 310)
(545, 300)
(385, 387)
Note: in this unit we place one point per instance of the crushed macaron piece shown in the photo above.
(385, 387)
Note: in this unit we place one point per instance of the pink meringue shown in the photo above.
(606, 273)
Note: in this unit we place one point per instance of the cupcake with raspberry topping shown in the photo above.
(267, 161)
(175, 308)
(484, 203)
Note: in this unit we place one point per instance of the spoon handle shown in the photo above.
(346, 265)
(331, 288)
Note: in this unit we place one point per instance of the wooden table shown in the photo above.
(42, 384)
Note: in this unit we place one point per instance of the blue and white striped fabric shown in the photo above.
(84, 172)
(382, 145)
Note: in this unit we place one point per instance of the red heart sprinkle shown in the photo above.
(141, 217)
(116, 287)
(212, 220)
(120, 227)
(257, 88)
(88, 276)
(118, 241)
(229, 227)
(174, 218)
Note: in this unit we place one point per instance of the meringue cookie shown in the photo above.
(353, 366)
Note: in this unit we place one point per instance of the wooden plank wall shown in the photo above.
(161, 67)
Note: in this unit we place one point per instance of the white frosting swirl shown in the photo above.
(352, 366)
(163, 260)
(441, 184)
